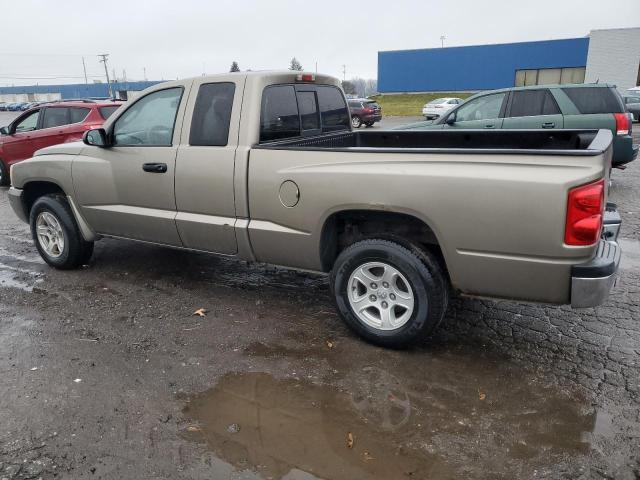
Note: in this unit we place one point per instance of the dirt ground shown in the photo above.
(107, 373)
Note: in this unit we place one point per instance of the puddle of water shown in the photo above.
(12, 277)
(291, 428)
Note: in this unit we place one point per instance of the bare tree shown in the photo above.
(295, 64)
(234, 67)
(349, 88)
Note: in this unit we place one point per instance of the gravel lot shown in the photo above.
(107, 373)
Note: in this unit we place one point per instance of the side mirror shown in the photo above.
(4, 130)
(96, 138)
(451, 119)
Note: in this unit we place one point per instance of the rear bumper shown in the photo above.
(15, 200)
(591, 282)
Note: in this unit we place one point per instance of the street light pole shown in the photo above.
(442, 39)
(106, 71)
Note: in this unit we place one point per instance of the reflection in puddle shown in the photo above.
(381, 429)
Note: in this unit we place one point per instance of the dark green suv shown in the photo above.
(581, 106)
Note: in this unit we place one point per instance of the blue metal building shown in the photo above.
(471, 68)
(79, 90)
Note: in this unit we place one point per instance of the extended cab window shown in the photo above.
(333, 109)
(279, 117)
(29, 123)
(55, 117)
(530, 103)
(150, 121)
(212, 114)
(595, 100)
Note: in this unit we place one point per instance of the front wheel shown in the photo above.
(388, 294)
(56, 233)
(356, 121)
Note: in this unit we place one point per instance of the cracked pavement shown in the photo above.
(106, 373)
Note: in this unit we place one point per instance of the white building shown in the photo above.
(614, 57)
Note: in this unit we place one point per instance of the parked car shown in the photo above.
(46, 125)
(364, 111)
(590, 106)
(11, 107)
(439, 106)
(3, 106)
(632, 103)
(395, 217)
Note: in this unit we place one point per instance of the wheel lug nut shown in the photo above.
(385, 304)
(392, 296)
(385, 284)
(372, 298)
(373, 285)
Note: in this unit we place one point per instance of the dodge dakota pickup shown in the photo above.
(264, 166)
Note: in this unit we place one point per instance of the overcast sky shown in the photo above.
(183, 38)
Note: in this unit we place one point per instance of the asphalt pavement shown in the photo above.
(107, 372)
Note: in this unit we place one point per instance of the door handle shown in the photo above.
(154, 167)
(490, 125)
(548, 125)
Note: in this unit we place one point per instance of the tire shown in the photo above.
(369, 124)
(4, 174)
(418, 279)
(356, 121)
(52, 214)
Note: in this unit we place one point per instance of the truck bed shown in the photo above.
(573, 142)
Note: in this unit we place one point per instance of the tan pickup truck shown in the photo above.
(265, 167)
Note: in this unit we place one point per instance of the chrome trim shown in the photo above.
(591, 292)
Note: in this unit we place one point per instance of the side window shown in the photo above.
(279, 117)
(29, 123)
(106, 112)
(308, 107)
(79, 114)
(333, 110)
(55, 117)
(483, 108)
(595, 100)
(212, 114)
(149, 121)
(530, 103)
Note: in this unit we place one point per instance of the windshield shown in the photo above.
(437, 101)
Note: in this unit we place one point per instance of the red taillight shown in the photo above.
(584, 214)
(368, 110)
(306, 77)
(622, 123)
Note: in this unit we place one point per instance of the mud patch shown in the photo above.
(382, 429)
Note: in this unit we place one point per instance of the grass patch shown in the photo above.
(410, 104)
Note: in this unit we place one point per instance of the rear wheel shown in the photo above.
(356, 121)
(390, 295)
(56, 233)
(4, 174)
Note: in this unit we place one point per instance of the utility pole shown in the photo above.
(106, 71)
(344, 72)
(442, 39)
(144, 70)
(84, 67)
(316, 67)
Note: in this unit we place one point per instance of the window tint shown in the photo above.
(595, 100)
(149, 121)
(354, 105)
(106, 112)
(333, 109)
(55, 117)
(78, 114)
(28, 123)
(212, 114)
(529, 103)
(308, 110)
(279, 117)
(483, 108)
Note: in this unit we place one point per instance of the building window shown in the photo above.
(549, 76)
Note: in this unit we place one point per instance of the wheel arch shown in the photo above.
(347, 226)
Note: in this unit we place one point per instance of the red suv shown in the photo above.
(49, 124)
